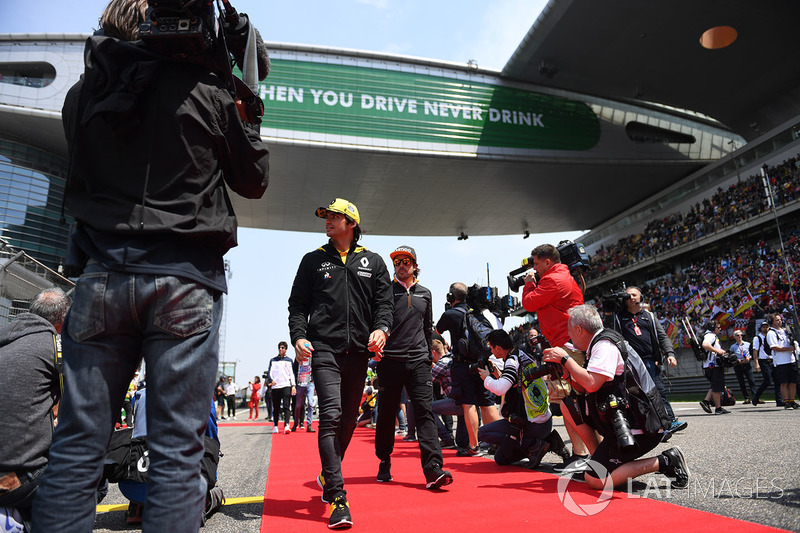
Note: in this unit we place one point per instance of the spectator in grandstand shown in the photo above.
(726, 207)
(764, 364)
(644, 332)
(783, 355)
(555, 293)
(714, 372)
(743, 370)
(30, 389)
(340, 309)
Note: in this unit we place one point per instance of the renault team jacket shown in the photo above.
(336, 306)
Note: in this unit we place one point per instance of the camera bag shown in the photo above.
(646, 409)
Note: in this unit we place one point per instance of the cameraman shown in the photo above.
(602, 377)
(528, 429)
(550, 298)
(644, 332)
(468, 390)
(152, 144)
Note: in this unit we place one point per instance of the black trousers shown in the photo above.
(767, 379)
(744, 374)
(416, 377)
(281, 403)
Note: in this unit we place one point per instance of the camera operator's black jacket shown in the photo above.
(412, 326)
(336, 306)
(152, 144)
(660, 345)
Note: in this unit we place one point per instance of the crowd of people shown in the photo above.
(736, 288)
(726, 207)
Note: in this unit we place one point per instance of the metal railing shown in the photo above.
(21, 278)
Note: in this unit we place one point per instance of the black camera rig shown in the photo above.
(188, 31)
(572, 254)
(487, 298)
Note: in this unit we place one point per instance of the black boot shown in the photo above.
(537, 451)
(557, 445)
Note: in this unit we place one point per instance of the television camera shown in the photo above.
(572, 254)
(188, 30)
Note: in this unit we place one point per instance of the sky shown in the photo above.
(265, 262)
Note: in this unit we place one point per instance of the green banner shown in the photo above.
(388, 104)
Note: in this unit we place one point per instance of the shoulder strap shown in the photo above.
(58, 364)
(609, 335)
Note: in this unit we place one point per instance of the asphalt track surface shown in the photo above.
(744, 465)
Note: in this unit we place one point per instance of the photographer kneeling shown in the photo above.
(604, 379)
(527, 429)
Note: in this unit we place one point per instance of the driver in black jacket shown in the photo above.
(340, 310)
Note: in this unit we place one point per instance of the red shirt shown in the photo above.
(550, 299)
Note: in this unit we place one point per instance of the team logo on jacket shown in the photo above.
(364, 274)
(364, 262)
(326, 276)
(326, 266)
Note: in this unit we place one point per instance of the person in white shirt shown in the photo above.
(785, 360)
(610, 464)
(713, 371)
(230, 397)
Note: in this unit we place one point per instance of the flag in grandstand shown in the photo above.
(746, 303)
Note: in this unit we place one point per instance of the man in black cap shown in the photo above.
(406, 362)
(340, 309)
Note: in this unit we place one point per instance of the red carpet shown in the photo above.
(483, 497)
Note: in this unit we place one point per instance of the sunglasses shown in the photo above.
(402, 261)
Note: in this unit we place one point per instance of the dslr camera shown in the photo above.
(484, 363)
(614, 408)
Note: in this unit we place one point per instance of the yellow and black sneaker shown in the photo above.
(340, 514)
(321, 483)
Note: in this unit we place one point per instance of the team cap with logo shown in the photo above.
(341, 206)
(404, 250)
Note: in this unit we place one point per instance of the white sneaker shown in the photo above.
(275, 429)
(287, 430)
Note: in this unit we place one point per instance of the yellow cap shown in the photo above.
(341, 206)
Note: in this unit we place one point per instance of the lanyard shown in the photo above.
(636, 326)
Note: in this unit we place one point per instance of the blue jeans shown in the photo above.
(448, 407)
(306, 392)
(510, 450)
(117, 319)
(767, 379)
(339, 379)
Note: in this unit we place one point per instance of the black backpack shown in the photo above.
(646, 407)
(473, 345)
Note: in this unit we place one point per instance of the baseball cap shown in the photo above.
(341, 206)
(404, 250)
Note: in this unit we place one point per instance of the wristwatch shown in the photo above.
(385, 330)
(564, 360)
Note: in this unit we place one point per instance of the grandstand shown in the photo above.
(710, 246)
